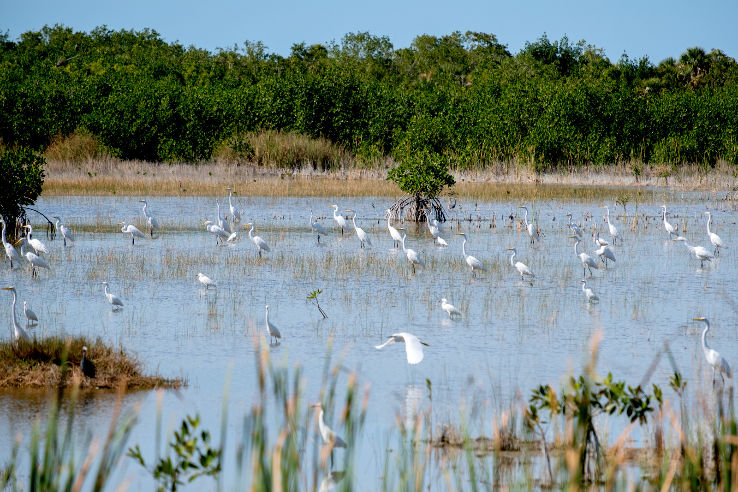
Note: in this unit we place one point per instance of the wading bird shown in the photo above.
(222, 223)
(217, 231)
(151, 222)
(521, 267)
(413, 346)
(714, 238)
(35, 260)
(18, 332)
(412, 255)
(132, 230)
(530, 227)
(37, 245)
(613, 230)
(235, 214)
(88, 368)
(474, 263)
(717, 361)
(591, 297)
(10, 251)
(574, 227)
(272, 330)
(599, 242)
(699, 252)
(330, 438)
(30, 315)
(316, 227)
(434, 228)
(340, 220)
(63, 230)
(587, 261)
(206, 281)
(394, 233)
(605, 253)
(669, 228)
(257, 240)
(449, 308)
(112, 298)
(362, 235)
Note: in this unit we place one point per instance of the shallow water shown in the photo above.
(513, 336)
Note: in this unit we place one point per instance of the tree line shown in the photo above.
(462, 100)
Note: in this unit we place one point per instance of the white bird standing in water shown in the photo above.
(413, 346)
(394, 233)
(18, 332)
(257, 240)
(330, 438)
(272, 330)
(669, 228)
(574, 227)
(340, 220)
(717, 361)
(206, 281)
(132, 230)
(362, 235)
(449, 308)
(613, 230)
(591, 297)
(37, 245)
(63, 230)
(30, 315)
(222, 223)
(587, 261)
(605, 253)
(434, 228)
(150, 220)
(714, 238)
(699, 252)
(235, 214)
(599, 242)
(412, 255)
(521, 267)
(10, 251)
(112, 298)
(35, 260)
(316, 227)
(218, 232)
(530, 227)
(474, 263)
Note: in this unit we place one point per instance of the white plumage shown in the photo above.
(413, 346)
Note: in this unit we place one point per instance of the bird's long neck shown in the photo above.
(388, 222)
(267, 318)
(144, 209)
(704, 334)
(709, 219)
(251, 231)
(526, 217)
(230, 193)
(15, 320)
(404, 235)
(512, 260)
(584, 286)
(576, 248)
(106, 289)
(353, 219)
(334, 213)
(57, 224)
(311, 218)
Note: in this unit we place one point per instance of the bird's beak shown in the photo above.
(693, 319)
(510, 249)
(7, 288)
(459, 233)
(247, 223)
(573, 237)
(424, 344)
(26, 226)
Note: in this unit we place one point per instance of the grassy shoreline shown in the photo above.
(106, 177)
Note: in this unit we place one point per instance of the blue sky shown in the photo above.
(657, 29)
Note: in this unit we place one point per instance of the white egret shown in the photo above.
(413, 346)
(257, 240)
(669, 228)
(530, 227)
(10, 251)
(587, 261)
(63, 230)
(591, 297)
(713, 357)
(340, 220)
(435, 229)
(412, 255)
(37, 245)
(521, 267)
(699, 252)
(235, 214)
(449, 308)
(598, 240)
(232, 238)
(222, 223)
(206, 281)
(362, 235)
(605, 253)
(112, 298)
(394, 233)
(714, 238)
(150, 220)
(613, 230)
(216, 231)
(316, 227)
(88, 368)
(30, 315)
(272, 330)
(35, 260)
(574, 227)
(18, 332)
(330, 438)
(132, 230)
(474, 263)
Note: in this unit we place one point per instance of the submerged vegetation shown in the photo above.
(461, 99)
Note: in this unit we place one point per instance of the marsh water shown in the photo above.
(513, 336)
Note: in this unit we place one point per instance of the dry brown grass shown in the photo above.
(38, 364)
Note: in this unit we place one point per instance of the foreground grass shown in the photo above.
(55, 362)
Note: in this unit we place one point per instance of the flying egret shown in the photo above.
(272, 330)
(10, 251)
(216, 231)
(530, 227)
(413, 346)
(330, 438)
(591, 297)
(18, 332)
(362, 235)
(257, 240)
(713, 357)
(35, 260)
(699, 252)
(605, 253)
(412, 255)
(316, 227)
(150, 220)
(449, 308)
(112, 298)
(37, 245)
(521, 267)
(30, 315)
(206, 281)
(64, 230)
(223, 224)
(394, 233)
(340, 220)
(613, 230)
(474, 263)
(132, 230)
(587, 261)
(574, 227)
(669, 228)
(88, 368)
(235, 214)
(714, 238)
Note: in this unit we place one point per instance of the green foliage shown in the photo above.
(21, 182)
(314, 297)
(193, 457)
(420, 176)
